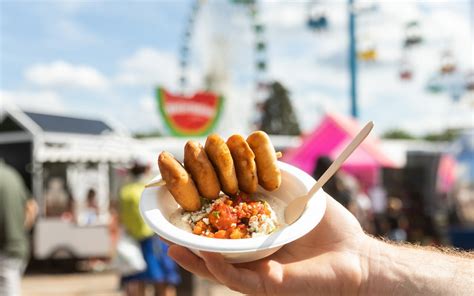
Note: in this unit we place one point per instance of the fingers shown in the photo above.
(187, 260)
(239, 279)
(214, 268)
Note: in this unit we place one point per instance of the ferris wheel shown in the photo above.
(260, 65)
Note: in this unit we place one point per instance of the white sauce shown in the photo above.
(177, 219)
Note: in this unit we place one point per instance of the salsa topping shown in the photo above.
(234, 218)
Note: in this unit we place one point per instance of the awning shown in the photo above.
(67, 148)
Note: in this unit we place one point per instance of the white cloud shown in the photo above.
(312, 105)
(142, 117)
(151, 67)
(282, 15)
(46, 101)
(147, 115)
(147, 103)
(65, 75)
(314, 68)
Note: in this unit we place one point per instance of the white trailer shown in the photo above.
(61, 159)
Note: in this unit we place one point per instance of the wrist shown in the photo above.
(382, 269)
(389, 271)
(369, 251)
(402, 270)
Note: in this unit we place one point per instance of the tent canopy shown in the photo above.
(329, 139)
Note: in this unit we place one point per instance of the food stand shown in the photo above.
(329, 138)
(66, 161)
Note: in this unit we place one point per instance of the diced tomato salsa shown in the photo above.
(233, 218)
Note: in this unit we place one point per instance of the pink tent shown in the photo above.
(329, 139)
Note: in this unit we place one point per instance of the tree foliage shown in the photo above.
(279, 117)
(148, 134)
(398, 134)
(444, 136)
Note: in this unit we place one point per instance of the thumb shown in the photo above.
(243, 280)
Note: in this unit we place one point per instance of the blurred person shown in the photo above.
(69, 214)
(335, 186)
(91, 211)
(363, 205)
(338, 258)
(57, 197)
(397, 221)
(161, 270)
(378, 198)
(90, 216)
(17, 215)
(114, 223)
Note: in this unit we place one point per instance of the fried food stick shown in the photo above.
(221, 159)
(244, 161)
(268, 172)
(179, 182)
(198, 165)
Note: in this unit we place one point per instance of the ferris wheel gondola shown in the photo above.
(406, 70)
(317, 17)
(368, 54)
(412, 34)
(367, 50)
(448, 63)
(434, 85)
(470, 81)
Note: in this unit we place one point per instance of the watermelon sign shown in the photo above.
(196, 115)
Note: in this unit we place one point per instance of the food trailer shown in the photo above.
(74, 168)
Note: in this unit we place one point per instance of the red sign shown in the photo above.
(189, 116)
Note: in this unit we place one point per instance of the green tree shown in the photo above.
(398, 134)
(279, 117)
(445, 136)
(148, 134)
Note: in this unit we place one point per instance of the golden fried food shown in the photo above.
(269, 175)
(221, 159)
(198, 165)
(179, 182)
(244, 161)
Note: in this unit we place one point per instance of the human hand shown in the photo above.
(31, 212)
(328, 260)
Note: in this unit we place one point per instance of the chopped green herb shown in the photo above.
(216, 214)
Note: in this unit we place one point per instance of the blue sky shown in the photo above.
(104, 58)
(89, 32)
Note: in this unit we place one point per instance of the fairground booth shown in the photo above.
(419, 173)
(73, 167)
(329, 138)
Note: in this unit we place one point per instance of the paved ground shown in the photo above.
(102, 284)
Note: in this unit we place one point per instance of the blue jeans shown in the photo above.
(160, 268)
(11, 270)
